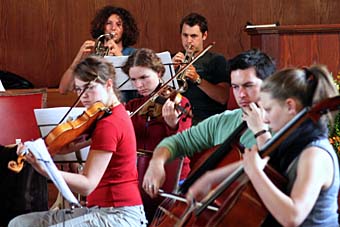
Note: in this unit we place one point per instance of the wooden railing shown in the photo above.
(53, 97)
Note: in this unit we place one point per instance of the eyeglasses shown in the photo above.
(87, 88)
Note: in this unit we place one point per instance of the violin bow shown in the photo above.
(174, 77)
(78, 99)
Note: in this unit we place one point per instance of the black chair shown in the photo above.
(12, 81)
(25, 191)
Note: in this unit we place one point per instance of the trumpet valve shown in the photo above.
(188, 54)
(100, 48)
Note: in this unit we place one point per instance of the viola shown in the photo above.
(153, 107)
(67, 132)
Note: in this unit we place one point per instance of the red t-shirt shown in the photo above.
(119, 184)
(150, 131)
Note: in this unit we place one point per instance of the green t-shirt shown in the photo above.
(208, 133)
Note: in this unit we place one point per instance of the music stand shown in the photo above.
(48, 118)
(122, 80)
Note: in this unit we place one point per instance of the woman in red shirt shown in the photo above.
(156, 121)
(146, 70)
(110, 178)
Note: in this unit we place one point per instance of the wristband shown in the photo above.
(261, 133)
(198, 81)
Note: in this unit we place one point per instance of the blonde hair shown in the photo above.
(308, 85)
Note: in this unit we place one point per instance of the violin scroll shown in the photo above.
(16, 166)
(323, 107)
(153, 107)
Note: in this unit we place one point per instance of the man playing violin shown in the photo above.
(156, 120)
(248, 69)
(110, 178)
(108, 19)
(208, 90)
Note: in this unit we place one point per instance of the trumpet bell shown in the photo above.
(100, 49)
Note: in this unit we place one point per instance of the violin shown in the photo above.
(155, 94)
(67, 132)
(153, 107)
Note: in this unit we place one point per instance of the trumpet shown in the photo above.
(99, 48)
(181, 80)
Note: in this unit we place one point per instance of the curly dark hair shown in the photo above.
(131, 31)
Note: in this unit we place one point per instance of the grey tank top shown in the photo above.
(324, 212)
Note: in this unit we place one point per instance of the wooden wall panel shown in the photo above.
(313, 49)
(301, 45)
(39, 38)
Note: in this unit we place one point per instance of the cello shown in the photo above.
(242, 196)
(172, 208)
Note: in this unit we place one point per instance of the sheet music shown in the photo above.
(122, 78)
(39, 149)
(48, 118)
(2, 88)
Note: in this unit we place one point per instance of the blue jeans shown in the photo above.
(95, 216)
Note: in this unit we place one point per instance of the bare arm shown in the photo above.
(67, 80)
(95, 166)
(155, 174)
(218, 92)
(75, 146)
(313, 174)
(201, 188)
